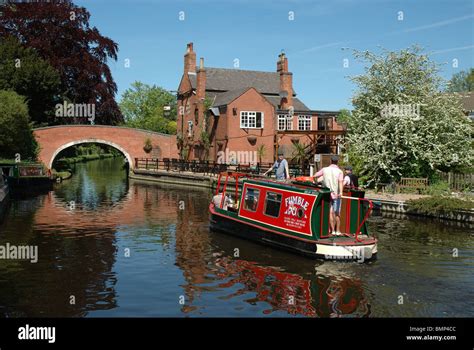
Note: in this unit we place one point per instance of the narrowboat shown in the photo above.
(26, 178)
(292, 215)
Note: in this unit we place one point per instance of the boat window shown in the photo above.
(273, 204)
(251, 199)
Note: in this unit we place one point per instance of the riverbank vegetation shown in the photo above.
(436, 205)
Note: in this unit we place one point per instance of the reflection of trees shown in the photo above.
(95, 183)
(77, 265)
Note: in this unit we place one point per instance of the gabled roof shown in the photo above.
(223, 79)
(227, 97)
(297, 104)
(224, 98)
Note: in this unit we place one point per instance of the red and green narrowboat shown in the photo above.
(294, 216)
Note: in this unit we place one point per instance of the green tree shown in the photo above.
(143, 106)
(388, 137)
(16, 134)
(462, 81)
(343, 117)
(27, 74)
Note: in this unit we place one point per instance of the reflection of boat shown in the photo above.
(312, 296)
(294, 216)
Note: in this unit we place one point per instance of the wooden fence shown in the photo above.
(458, 182)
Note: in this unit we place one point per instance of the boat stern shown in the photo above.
(343, 249)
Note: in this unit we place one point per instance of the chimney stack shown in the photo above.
(286, 82)
(201, 80)
(189, 59)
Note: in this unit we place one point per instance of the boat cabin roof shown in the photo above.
(302, 185)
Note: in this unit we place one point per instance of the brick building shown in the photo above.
(242, 110)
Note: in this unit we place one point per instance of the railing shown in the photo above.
(353, 217)
(204, 167)
(360, 205)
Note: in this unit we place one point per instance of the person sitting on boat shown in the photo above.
(350, 180)
(281, 168)
(217, 200)
(333, 179)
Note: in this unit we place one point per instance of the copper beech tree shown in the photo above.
(60, 33)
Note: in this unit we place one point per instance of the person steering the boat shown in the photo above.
(350, 180)
(333, 178)
(281, 168)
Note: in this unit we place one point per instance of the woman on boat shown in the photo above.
(217, 200)
(281, 166)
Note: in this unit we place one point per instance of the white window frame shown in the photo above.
(302, 122)
(251, 120)
(286, 120)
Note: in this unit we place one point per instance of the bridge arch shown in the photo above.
(78, 142)
(128, 141)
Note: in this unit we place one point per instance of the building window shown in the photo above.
(285, 122)
(251, 120)
(251, 199)
(190, 128)
(272, 204)
(304, 122)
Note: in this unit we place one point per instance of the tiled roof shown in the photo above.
(297, 104)
(467, 99)
(225, 85)
(223, 79)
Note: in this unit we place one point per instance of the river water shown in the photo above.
(109, 246)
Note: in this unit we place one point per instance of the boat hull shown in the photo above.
(334, 248)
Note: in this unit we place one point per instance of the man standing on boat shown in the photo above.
(333, 178)
(281, 168)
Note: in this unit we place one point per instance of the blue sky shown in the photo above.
(322, 34)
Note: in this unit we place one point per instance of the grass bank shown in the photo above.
(438, 205)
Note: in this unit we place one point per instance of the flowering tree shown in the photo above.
(402, 123)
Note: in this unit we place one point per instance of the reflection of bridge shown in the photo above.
(140, 204)
(130, 142)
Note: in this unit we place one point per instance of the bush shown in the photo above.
(439, 205)
(16, 134)
(438, 188)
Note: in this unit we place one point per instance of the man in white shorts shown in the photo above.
(333, 178)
